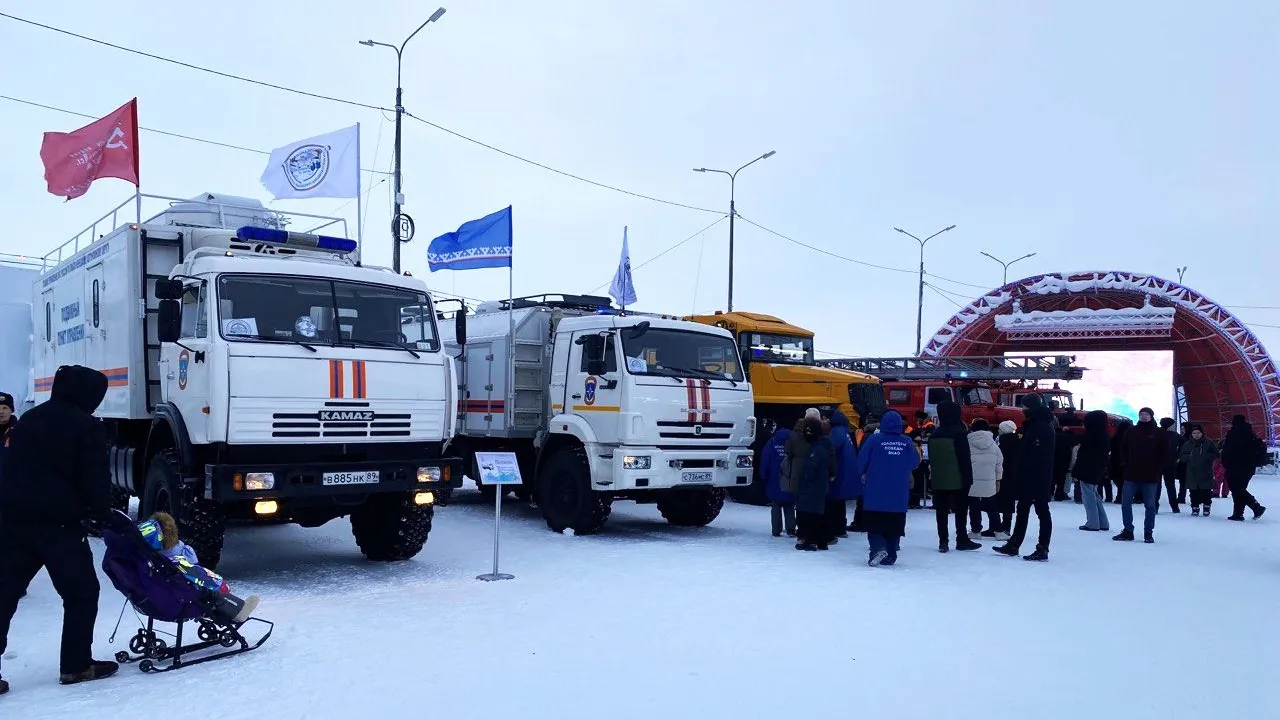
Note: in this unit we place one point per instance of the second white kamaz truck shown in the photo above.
(255, 373)
(600, 406)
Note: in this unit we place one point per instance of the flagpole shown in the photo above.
(624, 245)
(509, 409)
(359, 213)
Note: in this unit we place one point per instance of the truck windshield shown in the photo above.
(976, 396)
(1058, 401)
(769, 348)
(681, 353)
(267, 308)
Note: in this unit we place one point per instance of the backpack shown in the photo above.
(1263, 458)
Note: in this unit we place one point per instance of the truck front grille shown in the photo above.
(344, 423)
(685, 430)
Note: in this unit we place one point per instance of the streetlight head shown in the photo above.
(436, 15)
(949, 227)
(699, 169)
(769, 154)
(367, 43)
(904, 232)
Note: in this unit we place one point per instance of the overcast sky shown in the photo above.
(1101, 135)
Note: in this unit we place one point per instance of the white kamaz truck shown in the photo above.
(601, 406)
(255, 373)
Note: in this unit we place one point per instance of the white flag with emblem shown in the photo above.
(322, 166)
(622, 289)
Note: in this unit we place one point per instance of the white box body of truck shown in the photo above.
(299, 385)
(658, 426)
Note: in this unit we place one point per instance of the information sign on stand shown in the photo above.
(497, 469)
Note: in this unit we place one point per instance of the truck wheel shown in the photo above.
(200, 523)
(691, 508)
(390, 527)
(565, 495)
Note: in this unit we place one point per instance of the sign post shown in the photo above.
(498, 469)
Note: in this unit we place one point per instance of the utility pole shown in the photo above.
(401, 224)
(1005, 279)
(733, 176)
(920, 298)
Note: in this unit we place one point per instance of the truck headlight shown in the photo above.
(259, 481)
(636, 462)
(429, 475)
(744, 461)
(751, 428)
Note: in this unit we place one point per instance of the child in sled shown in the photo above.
(161, 532)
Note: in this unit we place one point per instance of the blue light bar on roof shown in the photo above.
(296, 239)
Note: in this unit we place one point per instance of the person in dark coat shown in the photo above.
(920, 433)
(1007, 496)
(1174, 441)
(1180, 470)
(1115, 466)
(1034, 479)
(885, 462)
(1243, 453)
(846, 485)
(56, 477)
(7, 422)
(782, 504)
(1196, 458)
(1089, 470)
(1062, 447)
(811, 499)
(796, 450)
(951, 472)
(1146, 450)
(864, 433)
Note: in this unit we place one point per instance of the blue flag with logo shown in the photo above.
(483, 243)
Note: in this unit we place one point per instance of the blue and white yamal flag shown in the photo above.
(622, 289)
(483, 243)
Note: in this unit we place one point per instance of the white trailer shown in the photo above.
(671, 425)
(255, 373)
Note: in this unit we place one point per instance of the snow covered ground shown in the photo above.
(723, 622)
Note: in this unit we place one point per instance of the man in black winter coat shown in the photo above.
(1174, 442)
(1243, 453)
(55, 477)
(1146, 451)
(1034, 480)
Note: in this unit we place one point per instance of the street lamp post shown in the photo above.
(396, 178)
(920, 298)
(1005, 280)
(733, 176)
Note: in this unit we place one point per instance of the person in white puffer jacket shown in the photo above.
(988, 469)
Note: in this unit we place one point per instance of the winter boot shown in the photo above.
(1195, 511)
(878, 558)
(806, 546)
(1124, 536)
(1040, 555)
(1006, 549)
(1089, 529)
(943, 546)
(1237, 518)
(1148, 538)
(1258, 510)
(1206, 510)
(4, 686)
(98, 669)
(988, 534)
(965, 544)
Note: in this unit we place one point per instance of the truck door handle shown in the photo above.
(169, 376)
(576, 397)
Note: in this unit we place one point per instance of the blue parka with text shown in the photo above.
(771, 467)
(885, 463)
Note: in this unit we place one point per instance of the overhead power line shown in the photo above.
(823, 251)
(557, 171)
(330, 98)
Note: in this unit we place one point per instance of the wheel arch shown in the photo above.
(169, 431)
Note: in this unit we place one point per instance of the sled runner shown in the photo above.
(157, 589)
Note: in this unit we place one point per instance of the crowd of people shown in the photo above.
(814, 470)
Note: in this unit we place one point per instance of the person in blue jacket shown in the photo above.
(782, 504)
(885, 463)
(846, 485)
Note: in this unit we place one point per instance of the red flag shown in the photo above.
(103, 148)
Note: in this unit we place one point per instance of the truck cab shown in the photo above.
(256, 373)
(976, 400)
(780, 362)
(602, 406)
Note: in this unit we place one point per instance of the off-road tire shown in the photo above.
(200, 522)
(688, 507)
(565, 496)
(390, 527)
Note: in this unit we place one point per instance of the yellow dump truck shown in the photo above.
(779, 362)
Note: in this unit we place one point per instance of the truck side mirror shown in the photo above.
(168, 289)
(169, 320)
(460, 327)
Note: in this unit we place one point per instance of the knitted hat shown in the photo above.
(1008, 427)
(6, 400)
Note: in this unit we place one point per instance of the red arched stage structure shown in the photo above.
(1220, 369)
